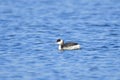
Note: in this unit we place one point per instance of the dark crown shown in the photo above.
(58, 40)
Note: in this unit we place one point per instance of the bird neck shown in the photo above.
(60, 47)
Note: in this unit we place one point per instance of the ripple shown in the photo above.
(29, 31)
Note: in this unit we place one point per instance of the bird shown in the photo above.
(67, 46)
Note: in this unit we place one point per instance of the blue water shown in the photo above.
(29, 29)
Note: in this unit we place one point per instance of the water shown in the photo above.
(29, 29)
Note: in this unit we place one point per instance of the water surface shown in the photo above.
(29, 29)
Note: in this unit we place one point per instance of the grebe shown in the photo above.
(67, 46)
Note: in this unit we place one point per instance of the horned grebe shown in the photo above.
(67, 46)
